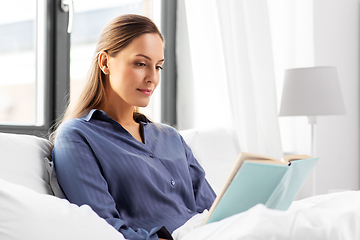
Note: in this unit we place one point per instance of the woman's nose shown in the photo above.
(153, 75)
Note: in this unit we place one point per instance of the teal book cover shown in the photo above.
(260, 180)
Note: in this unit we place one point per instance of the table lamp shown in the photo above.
(311, 92)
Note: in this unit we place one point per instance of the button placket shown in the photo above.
(172, 181)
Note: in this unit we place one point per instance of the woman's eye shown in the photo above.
(140, 64)
(159, 67)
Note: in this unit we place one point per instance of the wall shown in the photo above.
(336, 38)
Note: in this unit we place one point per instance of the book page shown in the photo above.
(289, 158)
(268, 161)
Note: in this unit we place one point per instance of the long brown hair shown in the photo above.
(115, 36)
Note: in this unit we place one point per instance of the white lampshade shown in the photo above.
(311, 91)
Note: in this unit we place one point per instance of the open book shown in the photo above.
(259, 179)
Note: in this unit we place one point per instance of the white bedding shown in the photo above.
(26, 212)
(331, 216)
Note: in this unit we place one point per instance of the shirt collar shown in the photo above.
(140, 117)
(88, 116)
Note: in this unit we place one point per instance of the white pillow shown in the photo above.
(26, 214)
(216, 150)
(22, 161)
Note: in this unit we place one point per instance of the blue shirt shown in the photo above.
(136, 187)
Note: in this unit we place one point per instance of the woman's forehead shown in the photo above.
(148, 45)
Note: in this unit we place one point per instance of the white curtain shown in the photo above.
(225, 71)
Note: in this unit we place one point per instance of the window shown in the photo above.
(35, 57)
(18, 62)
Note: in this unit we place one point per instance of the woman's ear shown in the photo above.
(103, 61)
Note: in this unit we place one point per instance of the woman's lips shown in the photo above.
(146, 91)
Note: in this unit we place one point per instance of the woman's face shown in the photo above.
(134, 72)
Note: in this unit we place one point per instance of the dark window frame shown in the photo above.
(169, 74)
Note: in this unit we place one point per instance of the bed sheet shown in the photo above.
(330, 216)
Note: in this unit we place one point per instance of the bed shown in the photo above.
(30, 210)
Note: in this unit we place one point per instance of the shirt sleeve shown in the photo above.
(79, 175)
(203, 192)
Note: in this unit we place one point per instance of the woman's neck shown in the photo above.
(122, 113)
(125, 117)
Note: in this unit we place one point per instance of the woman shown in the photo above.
(140, 177)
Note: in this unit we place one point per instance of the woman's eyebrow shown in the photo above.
(147, 57)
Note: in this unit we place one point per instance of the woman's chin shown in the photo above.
(143, 105)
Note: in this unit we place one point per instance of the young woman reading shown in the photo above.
(141, 177)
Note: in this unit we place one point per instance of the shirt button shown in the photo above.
(151, 155)
(172, 182)
(189, 211)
